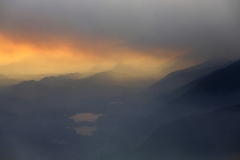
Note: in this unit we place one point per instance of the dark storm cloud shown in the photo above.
(142, 24)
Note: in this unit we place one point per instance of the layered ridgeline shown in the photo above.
(216, 90)
(186, 61)
(41, 111)
(61, 92)
(219, 89)
(181, 77)
(195, 110)
(170, 87)
(142, 121)
(6, 81)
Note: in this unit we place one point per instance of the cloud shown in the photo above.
(92, 26)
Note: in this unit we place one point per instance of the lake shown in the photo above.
(85, 117)
(85, 130)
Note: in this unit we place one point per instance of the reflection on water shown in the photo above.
(85, 130)
(89, 117)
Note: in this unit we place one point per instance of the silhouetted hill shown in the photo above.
(30, 89)
(116, 78)
(213, 91)
(214, 135)
(186, 60)
(57, 93)
(61, 80)
(55, 81)
(103, 78)
(72, 76)
(27, 90)
(182, 77)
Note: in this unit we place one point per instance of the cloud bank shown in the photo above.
(110, 29)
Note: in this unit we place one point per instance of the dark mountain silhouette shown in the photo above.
(62, 80)
(213, 91)
(122, 79)
(178, 63)
(185, 61)
(35, 116)
(36, 77)
(214, 135)
(49, 85)
(27, 90)
(182, 77)
(72, 76)
(103, 78)
(58, 93)
(55, 81)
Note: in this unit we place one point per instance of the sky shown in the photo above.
(54, 36)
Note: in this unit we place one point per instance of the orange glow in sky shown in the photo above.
(57, 55)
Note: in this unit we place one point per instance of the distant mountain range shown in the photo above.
(198, 120)
(6, 81)
(191, 113)
(104, 87)
(62, 80)
(181, 77)
(216, 90)
(184, 61)
(72, 76)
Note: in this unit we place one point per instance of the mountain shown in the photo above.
(72, 76)
(103, 78)
(55, 81)
(43, 124)
(27, 90)
(182, 77)
(216, 90)
(91, 93)
(61, 80)
(185, 61)
(212, 136)
(30, 89)
(36, 77)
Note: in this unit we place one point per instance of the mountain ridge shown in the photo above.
(181, 77)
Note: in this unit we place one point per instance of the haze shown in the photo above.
(58, 36)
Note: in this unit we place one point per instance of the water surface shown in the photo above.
(88, 117)
(85, 130)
